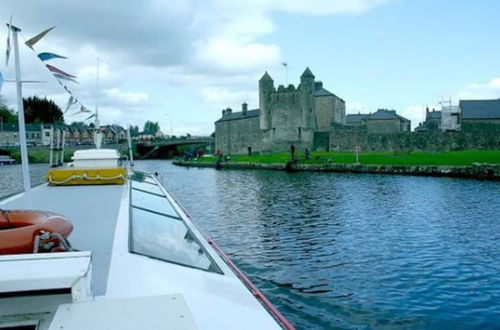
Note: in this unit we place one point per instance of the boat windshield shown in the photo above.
(159, 232)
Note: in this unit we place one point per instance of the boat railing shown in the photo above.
(283, 321)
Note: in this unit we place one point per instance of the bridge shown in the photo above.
(170, 148)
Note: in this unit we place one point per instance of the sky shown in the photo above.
(181, 62)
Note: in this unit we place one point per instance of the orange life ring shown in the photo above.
(18, 229)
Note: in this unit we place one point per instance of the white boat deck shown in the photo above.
(93, 210)
(101, 216)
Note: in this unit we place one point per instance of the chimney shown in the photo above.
(244, 108)
(229, 111)
(223, 112)
(318, 85)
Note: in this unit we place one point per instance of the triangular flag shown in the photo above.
(59, 71)
(89, 117)
(60, 76)
(71, 101)
(83, 109)
(7, 50)
(37, 38)
(49, 56)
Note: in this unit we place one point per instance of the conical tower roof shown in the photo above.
(266, 77)
(307, 73)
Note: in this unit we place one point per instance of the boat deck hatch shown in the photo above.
(157, 312)
(158, 231)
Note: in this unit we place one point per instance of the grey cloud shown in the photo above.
(153, 33)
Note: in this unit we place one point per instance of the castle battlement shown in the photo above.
(287, 114)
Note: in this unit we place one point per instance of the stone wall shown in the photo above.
(347, 139)
(321, 141)
(383, 125)
(486, 125)
(329, 108)
(234, 136)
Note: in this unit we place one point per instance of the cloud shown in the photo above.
(354, 107)
(488, 90)
(222, 97)
(117, 96)
(215, 50)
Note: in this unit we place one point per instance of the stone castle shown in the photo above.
(286, 115)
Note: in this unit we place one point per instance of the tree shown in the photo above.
(151, 127)
(38, 110)
(78, 124)
(5, 113)
(134, 131)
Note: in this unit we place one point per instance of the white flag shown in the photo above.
(71, 101)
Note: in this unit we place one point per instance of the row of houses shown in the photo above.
(469, 115)
(43, 134)
(381, 121)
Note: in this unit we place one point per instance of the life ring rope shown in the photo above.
(30, 231)
(86, 177)
(45, 240)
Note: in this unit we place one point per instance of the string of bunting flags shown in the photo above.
(61, 76)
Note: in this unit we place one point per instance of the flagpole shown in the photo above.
(20, 116)
(97, 91)
(285, 64)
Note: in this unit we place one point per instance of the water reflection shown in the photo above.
(345, 250)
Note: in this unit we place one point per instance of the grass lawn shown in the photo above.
(377, 158)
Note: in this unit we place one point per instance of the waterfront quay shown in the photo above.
(460, 164)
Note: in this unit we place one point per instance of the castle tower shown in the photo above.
(266, 87)
(307, 90)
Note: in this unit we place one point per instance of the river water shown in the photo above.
(350, 251)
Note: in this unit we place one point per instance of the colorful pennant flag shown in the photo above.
(60, 76)
(72, 100)
(90, 117)
(7, 50)
(59, 71)
(37, 38)
(83, 109)
(49, 56)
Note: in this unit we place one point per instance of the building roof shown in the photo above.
(434, 115)
(480, 109)
(266, 76)
(12, 127)
(239, 115)
(386, 114)
(307, 73)
(355, 118)
(7, 127)
(323, 92)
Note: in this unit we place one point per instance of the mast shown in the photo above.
(20, 115)
(97, 135)
(97, 93)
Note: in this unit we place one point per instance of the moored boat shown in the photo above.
(6, 160)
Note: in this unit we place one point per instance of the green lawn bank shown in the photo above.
(482, 164)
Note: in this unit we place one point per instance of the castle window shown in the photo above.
(310, 109)
(300, 132)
